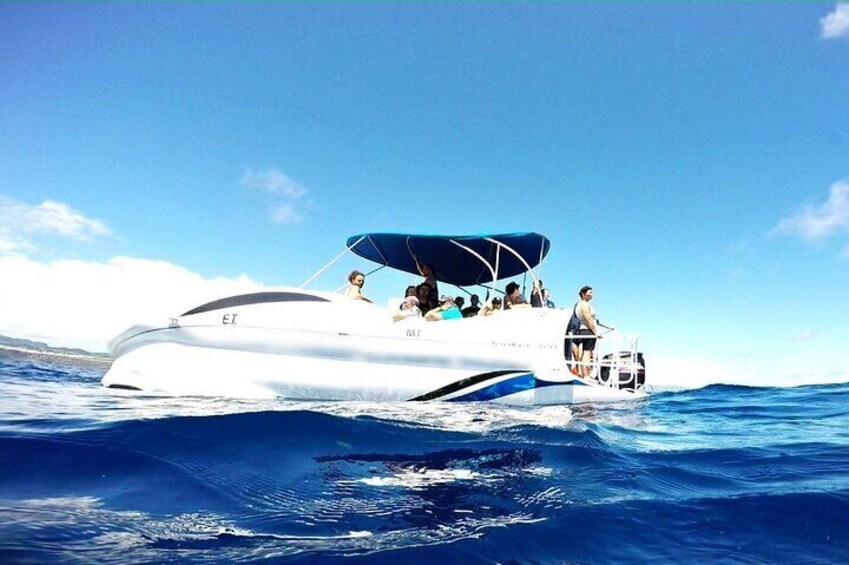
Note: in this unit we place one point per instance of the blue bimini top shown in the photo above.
(460, 260)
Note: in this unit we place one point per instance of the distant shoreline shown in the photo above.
(81, 359)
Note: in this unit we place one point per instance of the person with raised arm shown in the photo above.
(429, 274)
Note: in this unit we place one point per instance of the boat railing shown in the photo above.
(615, 363)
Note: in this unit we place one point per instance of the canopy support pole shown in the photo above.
(347, 249)
(376, 248)
(518, 256)
(539, 262)
(478, 255)
(497, 262)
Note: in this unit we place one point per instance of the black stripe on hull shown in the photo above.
(463, 383)
(255, 298)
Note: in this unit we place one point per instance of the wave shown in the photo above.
(195, 454)
(722, 473)
(638, 531)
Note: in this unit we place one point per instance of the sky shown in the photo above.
(689, 161)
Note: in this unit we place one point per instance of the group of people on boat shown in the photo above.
(424, 300)
(421, 300)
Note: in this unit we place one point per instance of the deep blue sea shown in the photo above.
(719, 474)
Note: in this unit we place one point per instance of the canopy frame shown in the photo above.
(407, 252)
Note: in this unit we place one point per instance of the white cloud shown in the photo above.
(273, 181)
(85, 304)
(286, 195)
(286, 213)
(8, 243)
(20, 221)
(816, 222)
(835, 24)
(804, 335)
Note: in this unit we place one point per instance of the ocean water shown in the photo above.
(719, 474)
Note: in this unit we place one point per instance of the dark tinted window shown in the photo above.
(255, 298)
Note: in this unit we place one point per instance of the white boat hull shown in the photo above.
(347, 350)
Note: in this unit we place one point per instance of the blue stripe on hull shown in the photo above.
(519, 383)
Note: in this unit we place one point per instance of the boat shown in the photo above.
(301, 344)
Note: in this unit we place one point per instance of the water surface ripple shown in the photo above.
(720, 474)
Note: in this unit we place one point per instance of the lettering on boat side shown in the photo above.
(414, 333)
(510, 344)
(229, 319)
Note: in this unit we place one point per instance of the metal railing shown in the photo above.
(615, 361)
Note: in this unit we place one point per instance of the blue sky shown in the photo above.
(690, 161)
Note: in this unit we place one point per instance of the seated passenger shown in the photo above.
(513, 299)
(409, 309)
(459, 301)
(491, 307)
(410, 291)
(423, 294)
(538, 295)
(446, 310)
(472, 310)
(355, 289)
